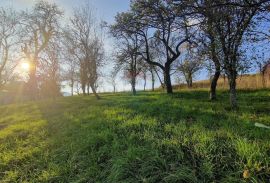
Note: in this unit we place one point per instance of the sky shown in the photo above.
(106, 11)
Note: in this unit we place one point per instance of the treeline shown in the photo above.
(156, 38)
(55, 48)
(213, 33)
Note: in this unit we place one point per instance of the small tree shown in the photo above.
(112, 78)
(189, 66)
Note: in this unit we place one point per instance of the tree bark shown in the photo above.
(160, 80)
(72, 87)
(83, 89)
(189, 81)
(263, 79)
(94, 92)
(153, 80)
(233, 99)
(133, 86)
(32, 83)
(213, 95)
(167, 80)
(88, 89)
(144, 86)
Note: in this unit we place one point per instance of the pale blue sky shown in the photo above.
(106, 11)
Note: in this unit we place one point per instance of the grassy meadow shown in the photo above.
(148, 138)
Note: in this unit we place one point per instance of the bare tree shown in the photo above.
(40, 26)
(168, 29)
(87, 47)
(127, 57)
(8, 40)
(153, 76)
(229, 21)
(70, 72)
(189, 66)
(49, 72)
(112, 78)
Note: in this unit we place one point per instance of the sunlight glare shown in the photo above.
(25, 66)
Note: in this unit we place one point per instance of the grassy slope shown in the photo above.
(148, 138)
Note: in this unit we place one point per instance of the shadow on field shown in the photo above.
(154, 137)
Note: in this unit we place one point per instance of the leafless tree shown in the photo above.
(40, 25)
(169, 29)
(127, 57)
(229, 22)
(9, 22)
(88, 47)
(112, 78)
(189, 66)
(49, 70)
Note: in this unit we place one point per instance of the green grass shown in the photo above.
(151, 138)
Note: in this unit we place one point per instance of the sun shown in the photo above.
(25, 66)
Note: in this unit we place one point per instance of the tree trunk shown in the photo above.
(83, 89)
(167, 80)
(88, 89)
(144, 86)
(32, 83)
(94, 92)
(133, 86)
(72, 87)
(213, 95)
(263, 79)
(160, 80)
(189, 81)
(233, 99)
(114, 89)
(153, 80)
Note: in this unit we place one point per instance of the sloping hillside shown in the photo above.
(151, 137)
(248, 81)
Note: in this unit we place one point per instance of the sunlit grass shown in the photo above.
(151, 137)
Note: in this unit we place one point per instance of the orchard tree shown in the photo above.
(70, 71)
(87, 47)
(153, 76)
(49, 71)
(112, 78)
(227, 24)
(231, 24)
(127, 57)
(130, 63)
(155, 22)
(189, 66)
(39, 27)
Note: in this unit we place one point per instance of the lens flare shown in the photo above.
(25, 66)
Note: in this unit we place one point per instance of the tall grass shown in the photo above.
(249, 81)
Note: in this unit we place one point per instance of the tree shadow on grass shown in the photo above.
(149, 137)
